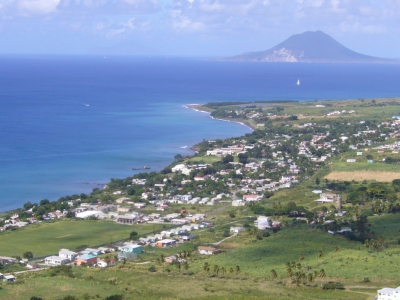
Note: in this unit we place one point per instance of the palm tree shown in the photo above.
(289, 272)
(322, 273)
(337, 248)
(310, 277)
(223, 270)
(237, 269)
(216, 269)
(321, 253)
(297, 277)
(231, 270)
(273, 274)
(301, 257)
(299, 266)
(205, 266)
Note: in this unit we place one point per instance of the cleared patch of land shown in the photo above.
(47, 238)
(380, 176)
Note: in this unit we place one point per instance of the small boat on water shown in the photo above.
(144, 168)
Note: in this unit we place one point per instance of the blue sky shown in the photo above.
(193, 27)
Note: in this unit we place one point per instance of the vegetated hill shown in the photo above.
(310, 46)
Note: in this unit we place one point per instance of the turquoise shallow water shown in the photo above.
(71, 123)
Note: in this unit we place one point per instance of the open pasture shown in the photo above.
(342, 260)
(47, 238)
(380, 176)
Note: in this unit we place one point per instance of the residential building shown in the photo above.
(166, 243)
(56, 260)
(65, 253)
(86, 259)
(236, 229)
(389, 294)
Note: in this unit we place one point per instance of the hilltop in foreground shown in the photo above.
(309, 47)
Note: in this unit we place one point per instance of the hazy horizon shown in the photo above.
(192, 28)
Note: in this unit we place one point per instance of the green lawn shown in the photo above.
(47, 238)
(206, 159)
(352, 262)
(135, 282)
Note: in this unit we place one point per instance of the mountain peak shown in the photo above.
(309, 46)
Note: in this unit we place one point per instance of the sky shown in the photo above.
(213, 28)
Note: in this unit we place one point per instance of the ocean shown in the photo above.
(70, 123)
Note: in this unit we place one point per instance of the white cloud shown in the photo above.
(212, 7)
(357, 27)
(127, 27)
(38, 6)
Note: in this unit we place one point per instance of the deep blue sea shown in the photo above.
(70, 123)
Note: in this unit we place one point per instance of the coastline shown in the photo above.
(195, 108)
(184, 148)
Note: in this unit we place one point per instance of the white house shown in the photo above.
(186, 197)
(103, 263)
(344, 229)
(238, 203)
(236, 229)
(389, 294)
(9, 278)
(263, 222)
(56, 260)
(65, 253)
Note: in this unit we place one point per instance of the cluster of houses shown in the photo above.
(338, 112)
(91, 256)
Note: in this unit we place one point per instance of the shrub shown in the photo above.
(266, 234)
(152, 269)
(333, 286)
(114, 297)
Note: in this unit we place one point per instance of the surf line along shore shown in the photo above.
(195, 107)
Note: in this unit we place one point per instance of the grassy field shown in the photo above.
(361, 175)
(133, 282)
(207, 159)
(352, 263)
(362, 109)
(47, 238)
(386, 226)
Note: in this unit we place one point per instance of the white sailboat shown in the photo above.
(298, 82)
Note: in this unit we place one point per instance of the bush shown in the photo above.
(152, 269)
(69, 297)
(333, 286)
(266, 234)
(114, 297)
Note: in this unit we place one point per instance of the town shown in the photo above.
(287, 171)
